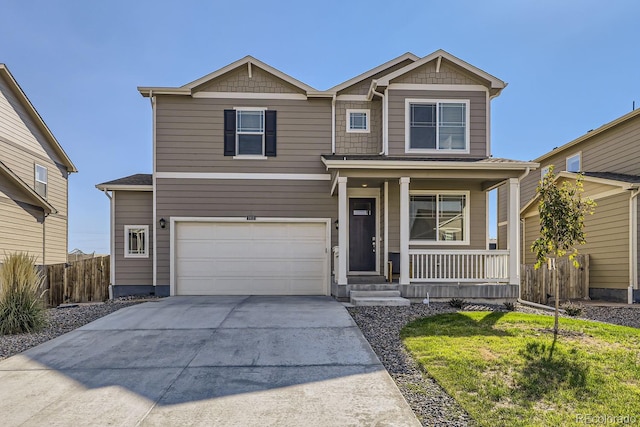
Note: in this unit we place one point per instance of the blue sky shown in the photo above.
(571, 65)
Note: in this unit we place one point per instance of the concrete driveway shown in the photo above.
(214, 361)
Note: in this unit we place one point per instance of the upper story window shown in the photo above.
(437, 125)
(574, 163)
(436, 217)
(357, 121)
(250, 133)
(136, 241)
(41, 180)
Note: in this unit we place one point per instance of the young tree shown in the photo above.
(562, 211)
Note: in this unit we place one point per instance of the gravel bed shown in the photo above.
(432, 405)
(59, 322)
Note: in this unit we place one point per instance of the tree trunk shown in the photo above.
(556, 284)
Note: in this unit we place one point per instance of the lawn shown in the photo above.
(505, 368)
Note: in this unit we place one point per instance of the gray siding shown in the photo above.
(359, 143)
(478, 213)
(239, 198)
(477, 125)
(22, 145)
(133, 208)
(449, 73)
(189, 136)
(238, 80)
(21, 228)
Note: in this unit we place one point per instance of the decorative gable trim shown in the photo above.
(407, 56)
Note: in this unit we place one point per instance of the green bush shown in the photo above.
(573, 309)
(21, 305)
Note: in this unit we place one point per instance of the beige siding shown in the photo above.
(477, 125)
(638, 238)
(607, 235)
(133, 208)
(501, 240)
(359, 143)
(22, 146)
(449, 74)
(478, 212)
(240, 198)
(531, 231)
(21, 228)
(238, 80)
(189, 136)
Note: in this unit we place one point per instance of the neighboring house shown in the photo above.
(257, 178)
(34, 170)
(609, 158)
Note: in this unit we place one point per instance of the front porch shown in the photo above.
(431, 236)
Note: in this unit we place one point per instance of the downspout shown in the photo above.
(333, 124)
(633, 245)
(112, 259)
(372, 91)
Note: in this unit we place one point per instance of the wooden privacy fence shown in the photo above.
(537, 285)
(79, 281)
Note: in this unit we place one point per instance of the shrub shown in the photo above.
(510, 306)
(457, 302)
(572, 309)
(21, 306)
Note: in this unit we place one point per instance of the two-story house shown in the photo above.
(609, 158)
(34, 171)
(260, 181)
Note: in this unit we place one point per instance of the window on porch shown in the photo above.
(438, 217)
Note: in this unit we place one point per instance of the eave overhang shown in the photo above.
(35, 197)
(124, 187)
(427, 164)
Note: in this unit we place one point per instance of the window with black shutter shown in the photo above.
(250, 132)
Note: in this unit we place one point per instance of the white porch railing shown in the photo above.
(458, 266)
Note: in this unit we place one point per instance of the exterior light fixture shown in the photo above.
(336, 223)
(163, 223)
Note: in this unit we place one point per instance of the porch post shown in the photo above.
(513, 231)
(404, 230)
(343, 221)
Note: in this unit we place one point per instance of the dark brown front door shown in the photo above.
(362, 234)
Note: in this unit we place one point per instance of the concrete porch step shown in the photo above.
(374, 293)
(380, 301)
(374, 287)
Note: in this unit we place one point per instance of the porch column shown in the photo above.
(343, 220)
(513, 230)
(404, 230)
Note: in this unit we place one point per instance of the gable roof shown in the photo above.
(22, 97)
(590, 134)
(139, 181)
(623, 181)
(495, 82)
(372, 72)
(189, 88)
(18, 182)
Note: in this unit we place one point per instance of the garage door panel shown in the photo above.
(229, 258)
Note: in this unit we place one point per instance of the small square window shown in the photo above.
(41, 180)
(136, 241)
(357, 121)
(544, 171)
(573, 163)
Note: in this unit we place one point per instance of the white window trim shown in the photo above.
(543, 171)
(407, 125)
(250, 156)
(368, 119)
(46, 183)
(467, 217)
(579, 156)
(126, 241)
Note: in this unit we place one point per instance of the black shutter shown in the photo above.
(270, 133)
(229, 132)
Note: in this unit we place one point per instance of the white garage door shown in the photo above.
(251, 258)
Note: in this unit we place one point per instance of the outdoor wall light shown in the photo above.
(163, 223)
(336, 223)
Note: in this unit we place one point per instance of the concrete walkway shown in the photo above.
(210, 361)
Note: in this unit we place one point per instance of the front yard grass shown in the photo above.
(505, 368)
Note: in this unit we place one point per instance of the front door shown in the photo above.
(362, 234)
